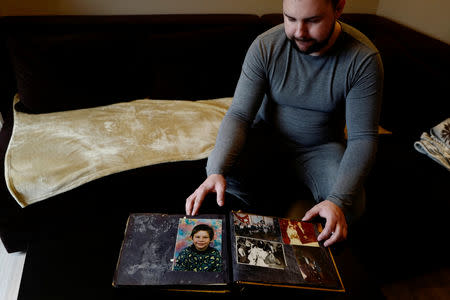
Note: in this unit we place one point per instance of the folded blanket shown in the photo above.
(52, 153)
(436, 144)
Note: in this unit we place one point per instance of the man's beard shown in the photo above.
(316, 46)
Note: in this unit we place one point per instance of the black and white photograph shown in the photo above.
(255, 226)
(261, 253)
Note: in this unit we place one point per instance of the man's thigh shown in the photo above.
(318, 167)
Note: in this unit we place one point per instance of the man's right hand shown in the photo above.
(215, 183)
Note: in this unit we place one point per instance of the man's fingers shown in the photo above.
(333, 239)
(189, 204)
(344, 233)
(314, 211)
(220, 190)
(200, 195)
(335, 225)
(327, 231)
(339, 234)
(194, 201)
(214, 183)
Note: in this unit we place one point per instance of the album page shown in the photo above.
(280, 252)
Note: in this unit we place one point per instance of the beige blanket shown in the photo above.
(52, 153)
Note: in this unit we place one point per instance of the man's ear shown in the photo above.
(339, 8)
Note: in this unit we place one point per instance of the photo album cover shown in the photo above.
(219, 252)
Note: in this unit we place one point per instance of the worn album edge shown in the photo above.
(121, 249)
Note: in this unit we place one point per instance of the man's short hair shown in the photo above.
(203, 227)
(334, 3)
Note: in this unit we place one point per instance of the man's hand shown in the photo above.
(214, 183)
(335, 226)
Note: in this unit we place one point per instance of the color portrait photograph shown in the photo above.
(198, 245)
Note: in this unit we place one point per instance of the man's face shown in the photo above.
(309, 23)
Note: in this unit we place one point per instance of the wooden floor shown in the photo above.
(433, 285)
(11, 266)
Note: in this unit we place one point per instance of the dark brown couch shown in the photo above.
(106, 59)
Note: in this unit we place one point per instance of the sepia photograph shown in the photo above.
(315, 266)
(296, 232)
(198, 245)
(261, 253)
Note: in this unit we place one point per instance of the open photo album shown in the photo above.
(218, 252)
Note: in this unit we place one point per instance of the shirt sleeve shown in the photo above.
(246, 102)
(363, 105)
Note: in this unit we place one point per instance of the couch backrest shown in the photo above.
(417, 74)
(71, 62)
(83, 61)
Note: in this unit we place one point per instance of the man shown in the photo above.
(302, 82)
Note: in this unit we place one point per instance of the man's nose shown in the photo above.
(301, 30)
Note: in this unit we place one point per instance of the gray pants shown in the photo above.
(270, 163)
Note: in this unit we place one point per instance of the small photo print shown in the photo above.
(315, 265)
(296, 232)
(254, 226)
(198, 245)
(261, 253)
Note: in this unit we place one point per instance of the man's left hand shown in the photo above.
(335, 226)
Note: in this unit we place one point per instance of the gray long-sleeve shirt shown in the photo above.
(308, 100)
